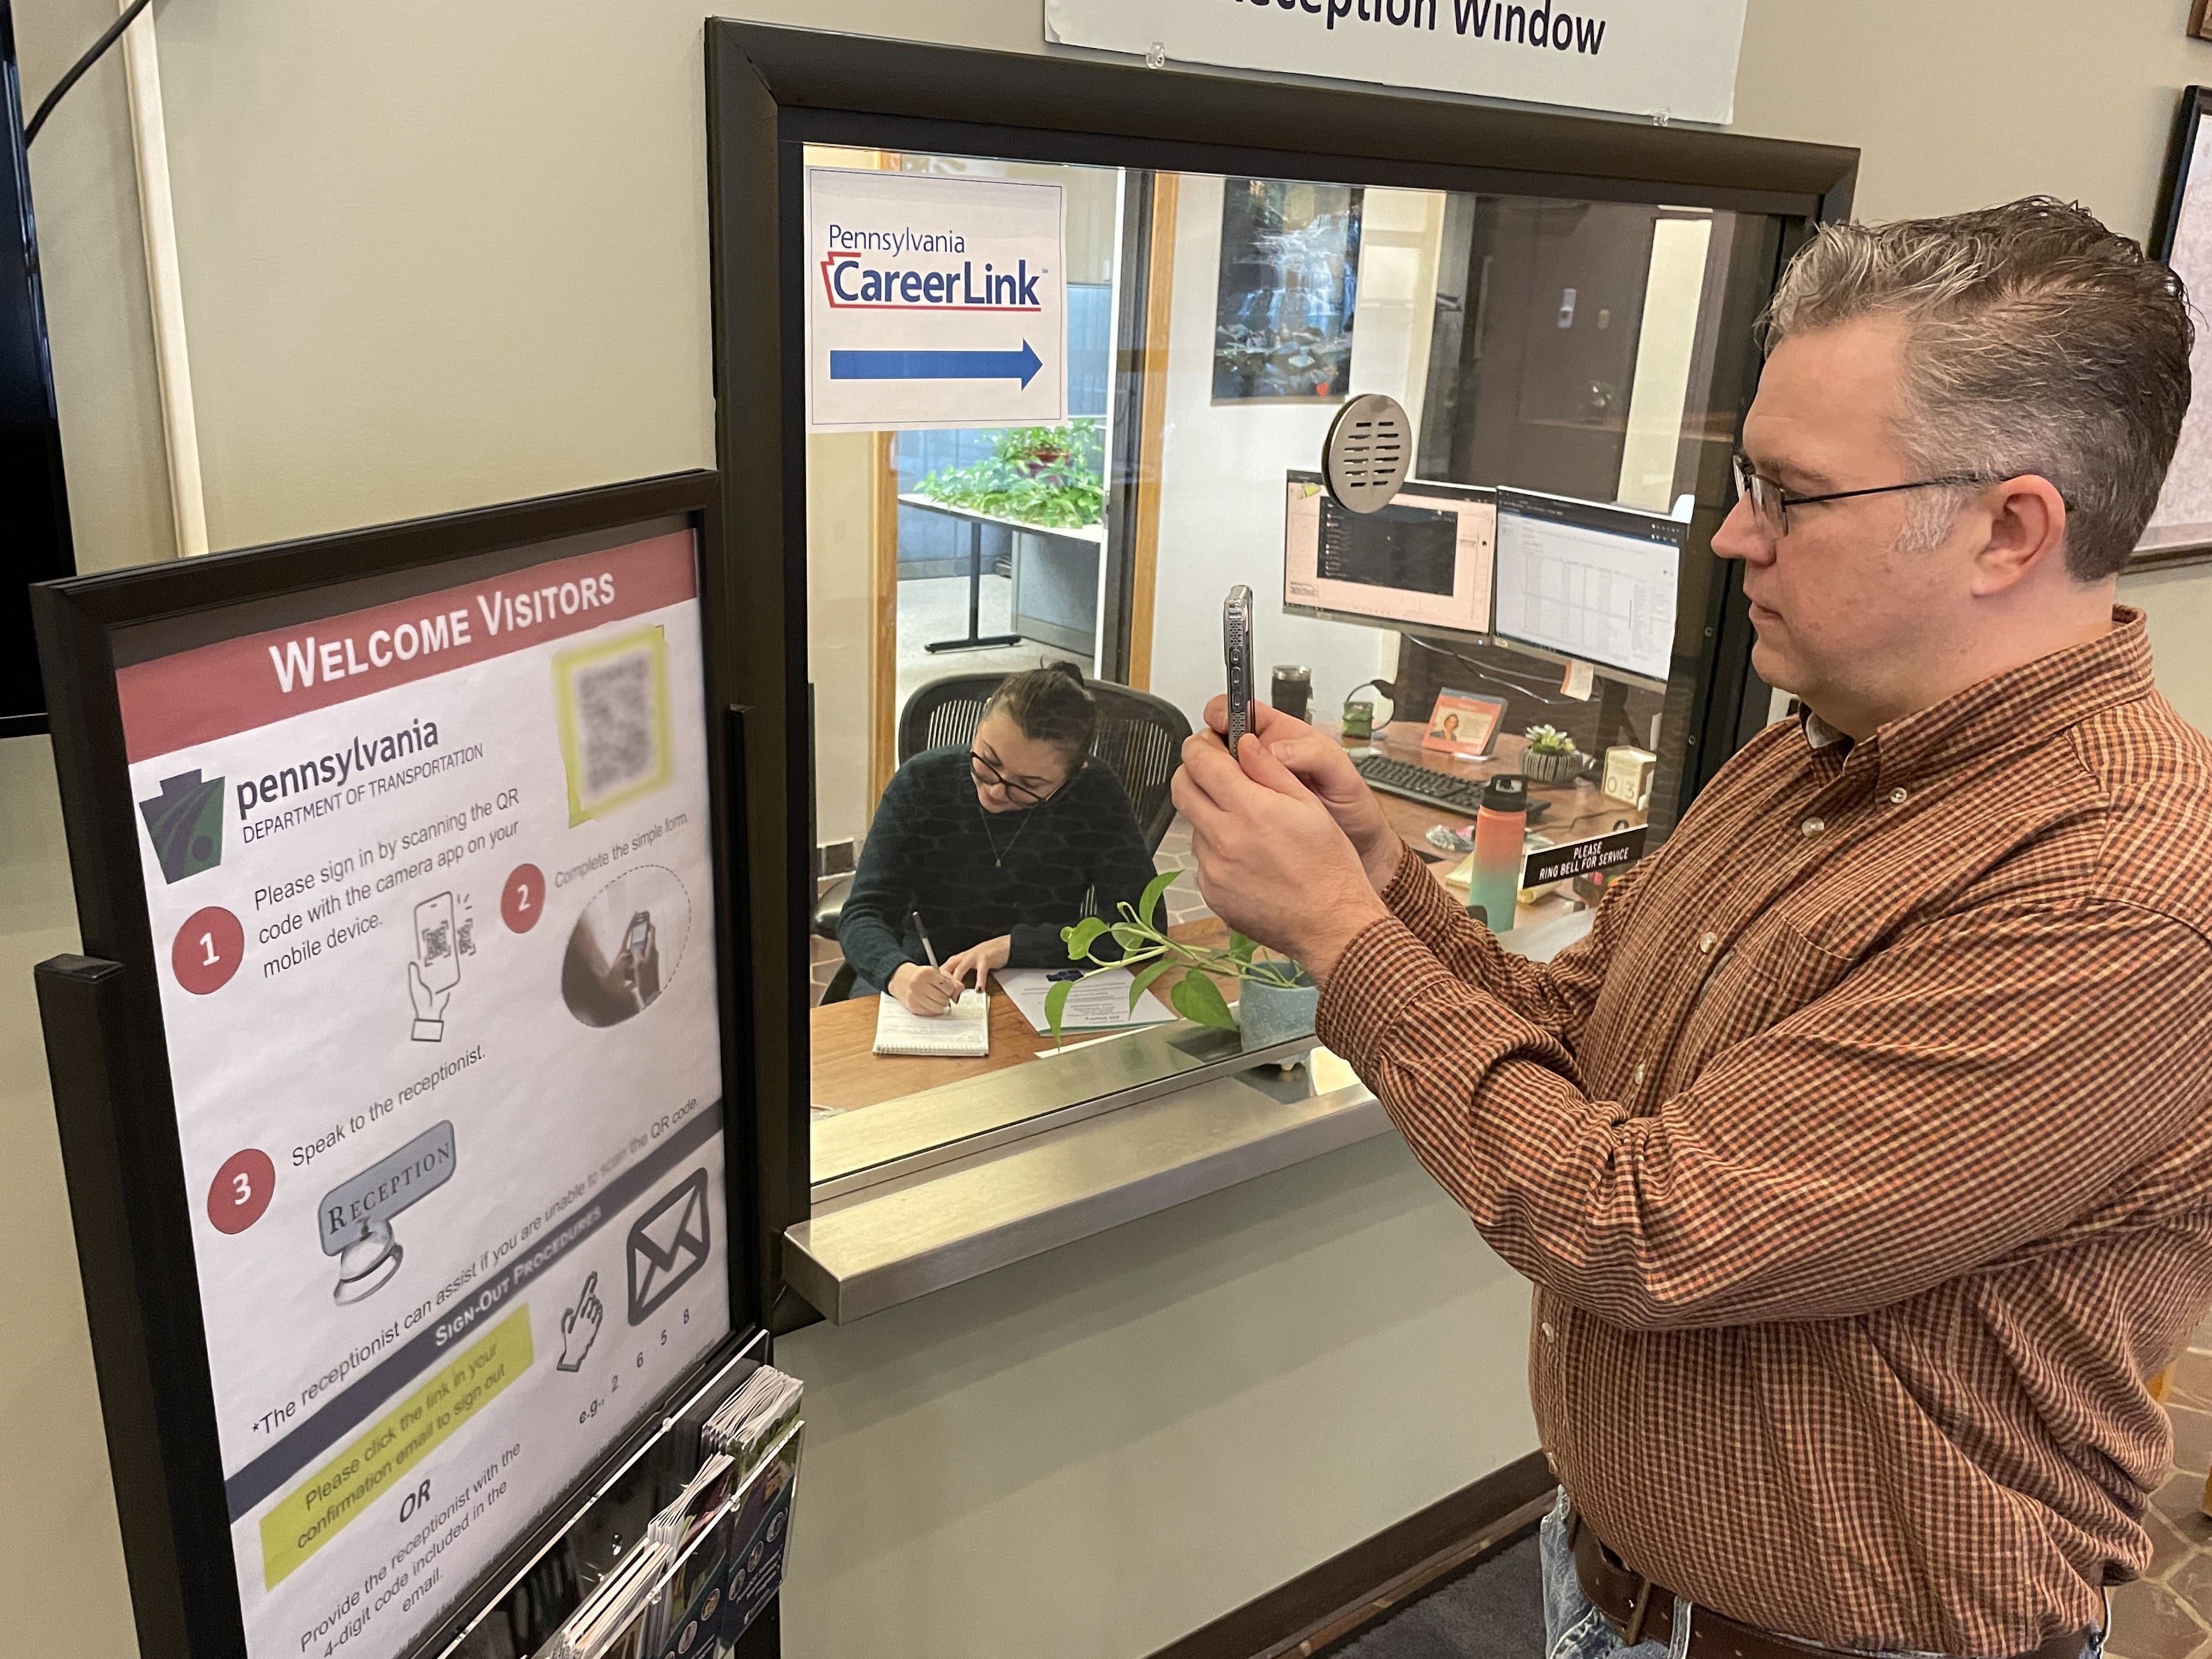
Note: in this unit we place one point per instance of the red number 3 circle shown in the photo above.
(241, 1191)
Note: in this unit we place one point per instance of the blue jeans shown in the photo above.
(1573, 1629)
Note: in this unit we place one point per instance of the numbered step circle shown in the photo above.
(523, 899)
(241, 1191)
(209, 949)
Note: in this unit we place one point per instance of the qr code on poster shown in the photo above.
(614, 721)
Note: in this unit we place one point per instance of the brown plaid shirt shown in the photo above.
(1861, 1157)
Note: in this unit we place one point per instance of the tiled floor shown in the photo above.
(2168, 1615)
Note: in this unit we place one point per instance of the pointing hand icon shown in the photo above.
(429, 1006)
(579, 1326)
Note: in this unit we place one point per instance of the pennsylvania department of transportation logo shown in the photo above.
(185, 823)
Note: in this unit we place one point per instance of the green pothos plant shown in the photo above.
(1052, 477)
(1150, 955)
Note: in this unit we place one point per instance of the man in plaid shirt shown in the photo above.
(1861, 1155)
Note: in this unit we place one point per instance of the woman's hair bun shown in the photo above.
(1051, 704)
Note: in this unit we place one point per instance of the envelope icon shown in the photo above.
(667, 1246)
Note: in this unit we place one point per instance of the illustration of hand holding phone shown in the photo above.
(435, 969)
(1237, 647)
(639, 963)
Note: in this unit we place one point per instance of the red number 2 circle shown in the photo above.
(523, 898)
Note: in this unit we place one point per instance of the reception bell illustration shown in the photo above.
(354, 1218)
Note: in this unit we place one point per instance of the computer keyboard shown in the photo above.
(1453, 794)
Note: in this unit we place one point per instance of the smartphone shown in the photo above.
(641, 929)
(1237, 646)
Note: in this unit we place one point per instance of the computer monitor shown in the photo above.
(1422, 562)
(1596, 583)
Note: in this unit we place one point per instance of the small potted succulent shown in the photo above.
(1551, 756)
(1277, 1001)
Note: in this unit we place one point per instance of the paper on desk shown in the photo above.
(1098, 1004)
(962, 1030)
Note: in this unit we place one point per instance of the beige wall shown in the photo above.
(436, 255)
(1090, 1454)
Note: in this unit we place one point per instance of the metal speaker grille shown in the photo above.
(1368, 454)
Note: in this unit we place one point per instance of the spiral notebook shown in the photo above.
(964, 1032)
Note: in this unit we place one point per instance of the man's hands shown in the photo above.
(924, 989)
(1272, 860)
(1318, 762)
(981, 962)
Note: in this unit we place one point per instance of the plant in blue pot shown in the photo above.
(1276, 999)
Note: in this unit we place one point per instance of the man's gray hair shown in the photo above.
(2038, 341)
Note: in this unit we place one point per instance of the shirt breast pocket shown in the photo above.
(1769, 973)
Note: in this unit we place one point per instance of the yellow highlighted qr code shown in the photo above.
(612, 701)
(319, 1508)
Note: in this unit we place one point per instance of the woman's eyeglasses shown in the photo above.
(987, 772)
(1771, 502)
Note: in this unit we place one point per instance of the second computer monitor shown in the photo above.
(1423, 562)
(1590, 582)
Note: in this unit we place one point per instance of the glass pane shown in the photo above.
(1532, 604)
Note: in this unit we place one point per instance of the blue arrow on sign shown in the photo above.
(1023, 365)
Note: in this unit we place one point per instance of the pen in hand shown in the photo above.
(929, 949)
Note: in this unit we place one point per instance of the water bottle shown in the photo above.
(1501, 827)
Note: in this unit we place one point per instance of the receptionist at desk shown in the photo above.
(990, 850)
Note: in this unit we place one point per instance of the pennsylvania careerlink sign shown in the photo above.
(935, 302)
(1676, 58)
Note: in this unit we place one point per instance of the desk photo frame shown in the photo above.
(117, 1094)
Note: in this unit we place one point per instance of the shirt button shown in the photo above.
(1549, 1335)
(1812, 826)
(1639, 1076)
(1551, 1462)
(1898, 797)
(1705, 944)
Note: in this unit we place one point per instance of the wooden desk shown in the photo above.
(848, 1074)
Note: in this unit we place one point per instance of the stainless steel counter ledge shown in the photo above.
(891, 1244)
(940, 1222)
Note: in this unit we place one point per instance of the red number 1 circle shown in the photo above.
(241, 1191)
(207, 950)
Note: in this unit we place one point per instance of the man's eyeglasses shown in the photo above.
(1771, 502)
(986, 772)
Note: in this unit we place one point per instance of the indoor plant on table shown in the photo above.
(1276, 1004)
(1052, 477)
(1551, 756)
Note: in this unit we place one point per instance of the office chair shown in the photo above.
(1140, 737)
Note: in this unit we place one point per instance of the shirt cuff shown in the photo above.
(1416, 898)
(1383, 971)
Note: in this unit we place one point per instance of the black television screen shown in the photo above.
(33, 508)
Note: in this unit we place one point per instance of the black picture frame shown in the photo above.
(771, 90)
(40, 545)
(1288, 294)
(2185, 539)
(114, 1102)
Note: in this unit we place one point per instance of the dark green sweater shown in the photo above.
(930, 850)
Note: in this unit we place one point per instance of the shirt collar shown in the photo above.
(2024, 705)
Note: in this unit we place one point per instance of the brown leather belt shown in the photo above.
(1643, 1611)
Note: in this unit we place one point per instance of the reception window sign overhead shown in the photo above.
(1672, 58)
(934, 302)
